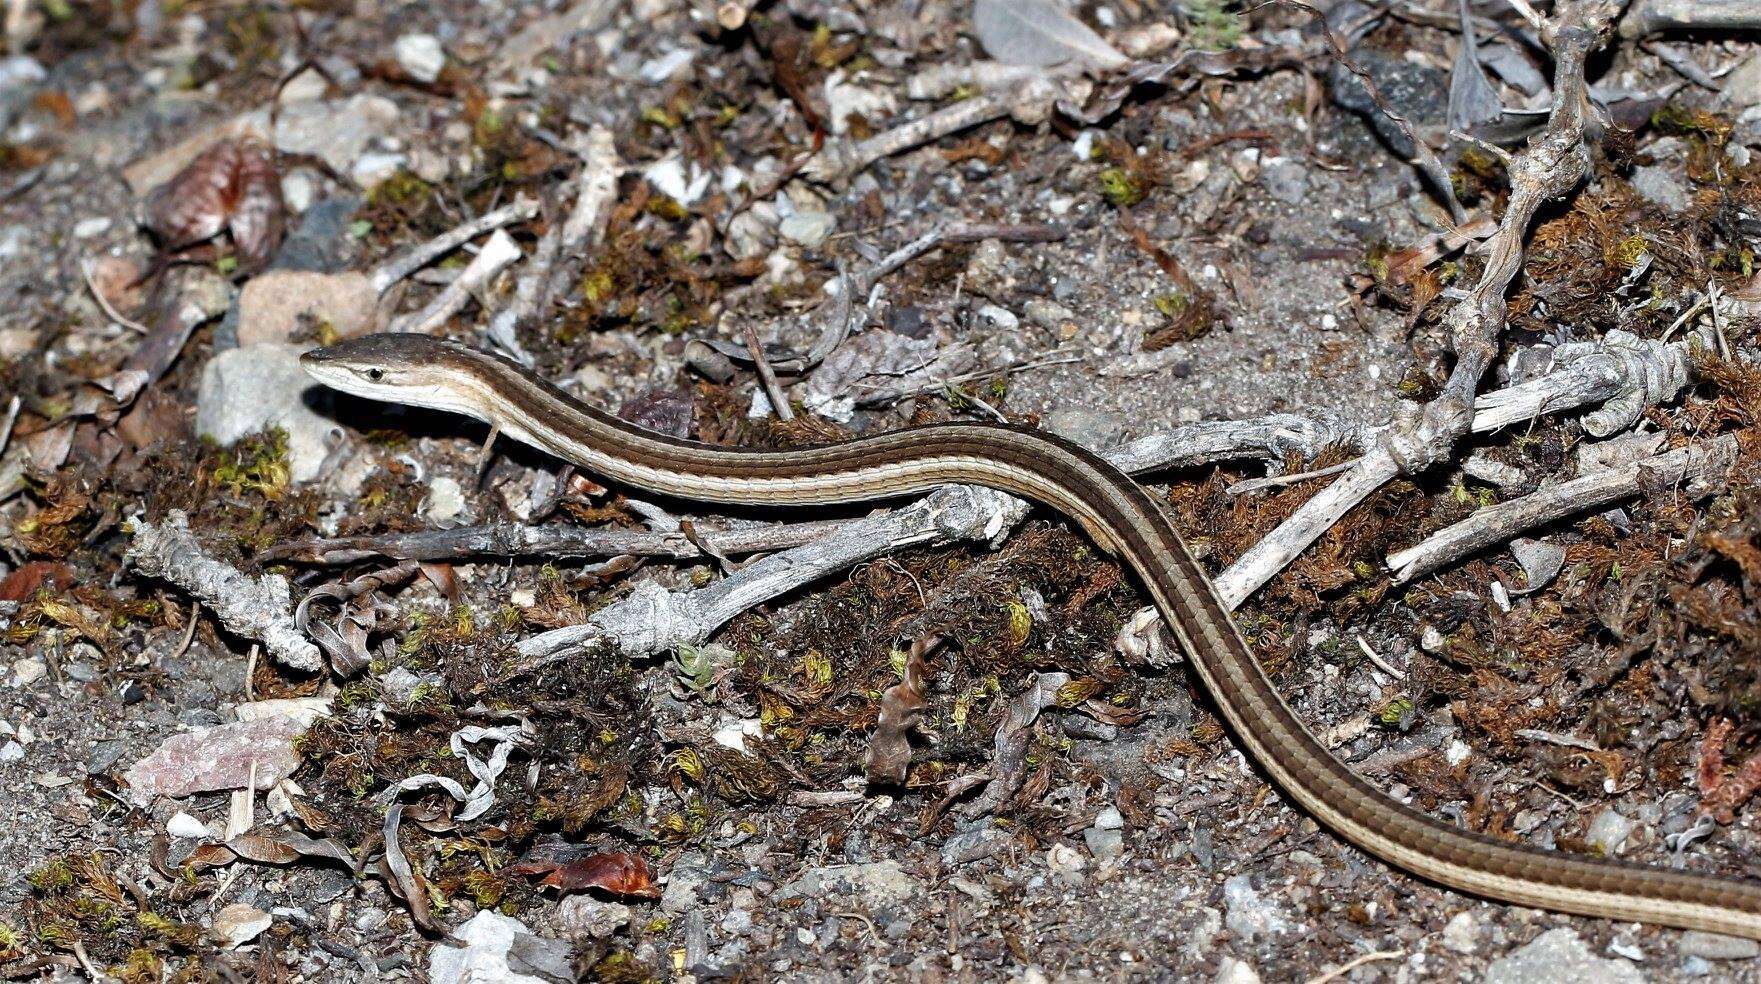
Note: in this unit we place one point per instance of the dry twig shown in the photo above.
(1701, 469)
(255, 608)
(497, 255)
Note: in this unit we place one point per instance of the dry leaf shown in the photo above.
(617, 872)
(1040, 33)
(230, 187)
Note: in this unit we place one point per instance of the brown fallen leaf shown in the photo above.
(21, 584)
(268, 846)
(230, 187)
(617, 872)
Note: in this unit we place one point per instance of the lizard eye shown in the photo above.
(376, 374)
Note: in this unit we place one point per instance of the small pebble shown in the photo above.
(1715, 946)
(421, 56)
(1462, 933)
(87, 228)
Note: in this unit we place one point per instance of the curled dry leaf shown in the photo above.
(902, 706)
(230, 187)
(362, 605)
(617, 872)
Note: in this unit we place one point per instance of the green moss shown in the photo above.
(403, 188)
(55, 876)
(1394, 712)
(1212, 25)
(257, 465)
(659, 116)
(1120, 188)
(170, 930)
(1172, 305)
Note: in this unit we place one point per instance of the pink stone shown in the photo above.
(218, 758)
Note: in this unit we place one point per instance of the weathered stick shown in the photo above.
(1649, 17)
(653, 620)
(256, 608)
(1701, 469)
(497, 255)
(417, 257)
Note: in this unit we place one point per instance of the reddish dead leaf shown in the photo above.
(211, 855)
(617, 872)
(24, 582)
(230, 187)
(1720, 795)
(1191, 310)
(1737, 791)
(1711, 771)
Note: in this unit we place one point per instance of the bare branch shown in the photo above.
(411, 260)
(497, 255)
(256, 608)
(1701, 469)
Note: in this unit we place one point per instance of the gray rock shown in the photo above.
(1109, 819)
(1540, 560)
(1202, 933)
(376, 167)
(987, 273)
(684, 883)
(809, 229)
(882, 884)
(501, 950)
(1287, 180)
(445, 502)
(975, 845)
(399, 684)
(1235, 971)
(1417, 92)
(20, 76)
(249, 390)
(752, 232)
(1742, 87)
(1658, 186)
(299, 189)
(1105, 845)
(585, 917)
(1048, 314)
(104, 755)
(1716, 946)
(1558, 956)
(321, 241)
(338, 131)
(1001, 317)
(1747, 130)
(421, 56)
(1096, 430)
(1462, 933)
(1250, 915)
